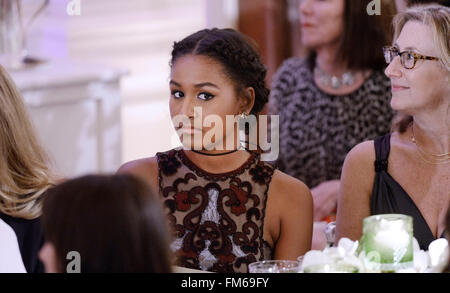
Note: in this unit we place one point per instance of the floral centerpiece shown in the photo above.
(345, 258)
(387, 245)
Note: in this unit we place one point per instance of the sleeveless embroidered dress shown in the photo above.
(217, 219)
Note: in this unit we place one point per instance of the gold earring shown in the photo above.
(243, 115)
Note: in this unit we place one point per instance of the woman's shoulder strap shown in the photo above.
(382, 149)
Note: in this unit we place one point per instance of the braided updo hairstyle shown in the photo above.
(238, 55)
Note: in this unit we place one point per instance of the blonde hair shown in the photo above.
(24, 174)
(437, 18)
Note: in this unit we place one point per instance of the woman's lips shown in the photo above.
(306, 25)
(396, 88)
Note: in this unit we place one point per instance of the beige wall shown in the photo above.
(136, 35)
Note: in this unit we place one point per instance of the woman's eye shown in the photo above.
(177, 94)
(205, 96)
(410, 56)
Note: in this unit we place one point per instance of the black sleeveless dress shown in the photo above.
(388, 197)
(30, 238)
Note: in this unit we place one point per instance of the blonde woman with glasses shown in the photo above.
(24, 174)
(408, 170)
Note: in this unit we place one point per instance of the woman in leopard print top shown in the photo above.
(317, 129)
(321, 119)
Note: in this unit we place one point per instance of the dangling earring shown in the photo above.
(242, 130)
(242, 119)
(243, 115)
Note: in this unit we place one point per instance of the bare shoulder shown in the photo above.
(146, 169)
(357, 180)
(358, 171)
(139, 165)
(288, 190)
(289, 216)
(363, 154)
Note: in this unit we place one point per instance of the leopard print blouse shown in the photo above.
(217, 219)
(317, 130)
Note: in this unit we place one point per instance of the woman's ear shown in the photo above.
(248, 100)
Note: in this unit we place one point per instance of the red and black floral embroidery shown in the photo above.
(233, 237)
(168, 163)
(182, 201)
(238, 201)
(261, 173)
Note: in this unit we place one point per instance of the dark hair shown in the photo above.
(114, 222)
(364, 35)
(236, 52)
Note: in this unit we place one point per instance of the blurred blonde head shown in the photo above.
(24, 174)
(437, 18)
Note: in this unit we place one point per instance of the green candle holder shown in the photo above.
(388, 242)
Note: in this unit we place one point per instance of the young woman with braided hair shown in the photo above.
(228, 208)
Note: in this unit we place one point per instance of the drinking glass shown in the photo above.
(331, 268)
(330, 233)
(274, 266)
(300, 263)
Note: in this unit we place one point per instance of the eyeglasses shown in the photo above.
(407, 58)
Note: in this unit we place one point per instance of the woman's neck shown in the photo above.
(219, 164)
(326, 60)
(220, 160)
(432, 133)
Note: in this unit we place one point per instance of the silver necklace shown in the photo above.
(334, 81)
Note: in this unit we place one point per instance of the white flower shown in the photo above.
(315, 257)
(432, 261)
(335, 253)
(349, 245)
(343, 254)
(438, 252)
(421, 261)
